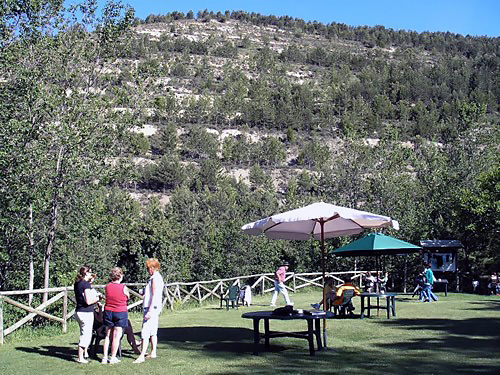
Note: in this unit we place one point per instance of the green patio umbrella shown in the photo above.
(376, 244)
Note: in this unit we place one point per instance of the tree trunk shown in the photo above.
(52, 223)
(31, 249)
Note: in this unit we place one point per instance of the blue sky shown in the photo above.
(473, 17)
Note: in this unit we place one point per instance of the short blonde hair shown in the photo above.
(116, 273)
(153, 263)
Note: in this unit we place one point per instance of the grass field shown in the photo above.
(459, 334)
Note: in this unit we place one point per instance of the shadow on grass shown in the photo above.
(228, 340)
(484, 305)
(62, 352)
(354, 361)
(241, 348)
(204, 334)
(483, 333)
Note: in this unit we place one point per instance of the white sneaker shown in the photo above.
(272, 305)
(104, 360)
(114, 360)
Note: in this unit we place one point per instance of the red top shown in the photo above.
(116, 300)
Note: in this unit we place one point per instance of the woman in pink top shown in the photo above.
(279, 285)
(115, 313)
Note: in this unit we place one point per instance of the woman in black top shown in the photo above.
(86, 297)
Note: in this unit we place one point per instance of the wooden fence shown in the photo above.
(176, 293)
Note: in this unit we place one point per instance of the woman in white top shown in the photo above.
(152, 305)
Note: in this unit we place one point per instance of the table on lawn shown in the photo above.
(390, 305)
(313, 327)
(442, 282)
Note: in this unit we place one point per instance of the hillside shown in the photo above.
(123, 139)
(209, 73)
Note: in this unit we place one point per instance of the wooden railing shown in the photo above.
(176, 293)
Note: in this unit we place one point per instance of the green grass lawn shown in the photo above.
(459, 334)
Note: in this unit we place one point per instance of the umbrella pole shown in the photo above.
(323, 266)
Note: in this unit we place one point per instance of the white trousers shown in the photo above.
(280, 288)
(150, 326)
(86, 320)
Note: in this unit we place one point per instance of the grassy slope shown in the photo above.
(458, 334)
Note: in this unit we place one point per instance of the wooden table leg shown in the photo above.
(310, 336)
(369, 307)
(266, 333)
(317, 323)
(393, 298)
(256, 336)
(362, 307)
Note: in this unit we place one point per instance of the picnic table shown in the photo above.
(313, 327)
(443, 282)
(390, 305)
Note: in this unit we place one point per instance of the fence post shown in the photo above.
(65, 311)
(294, 282)
(1, 320)
(262, 289)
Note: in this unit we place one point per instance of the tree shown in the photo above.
(477, 215)
(272, 151)
(200, 144)
(52, 61)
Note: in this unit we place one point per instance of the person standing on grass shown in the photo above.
(279, 284)
(115, 314)
(152, 306)
(85, 297)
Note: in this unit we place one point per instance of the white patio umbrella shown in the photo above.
(320, 221)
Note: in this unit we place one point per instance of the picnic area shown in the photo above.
(459, 334)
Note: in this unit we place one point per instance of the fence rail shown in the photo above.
(175, 294)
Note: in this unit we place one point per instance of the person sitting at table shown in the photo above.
(493, 285)
(370, 282)
(339, 295)
(246, 295)
(382, 282)
(329, 291)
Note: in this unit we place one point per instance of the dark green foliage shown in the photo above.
(165, 140)
(138, 144)
(271, 152)
(314, 155)
(166, 174)
(200, 144)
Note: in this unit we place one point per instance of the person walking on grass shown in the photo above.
(427, 295)
(115, 314)
(279, 284)
(152, 306)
